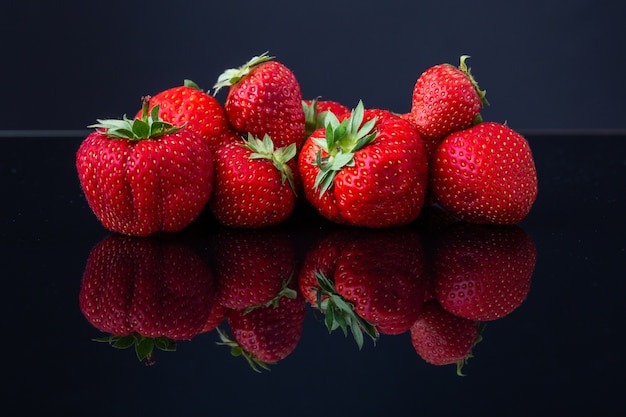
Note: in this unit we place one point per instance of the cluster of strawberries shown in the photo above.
(252, 159)
(440, 285)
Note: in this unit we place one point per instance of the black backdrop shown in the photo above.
(545, 65)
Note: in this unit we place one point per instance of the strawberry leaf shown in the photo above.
(190, 83)
(467, 71)
(234, 75)
(144, 348)
(341, 142)
(148, 126)
(264, 149)
(237, 350)
(340, 313)
(165, 343)
(141, 128)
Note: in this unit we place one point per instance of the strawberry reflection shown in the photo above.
(480, 273)
(441, 338)
(483, 272)
(266, 334)
(366, 280)
(146, 293)
(253, 267)
(439, 282)
(265, 312)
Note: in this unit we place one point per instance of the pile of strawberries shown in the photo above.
(251, 160)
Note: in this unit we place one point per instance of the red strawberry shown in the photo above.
(441, 338)
(383, 275)
(315, 113)
(255, 184)
(268, 334)
(264, 98)
(366, 279)
(253, 267)
(216, 317)
(144, 176)
(146, 292)
(445, 99)
(369, 169)
(483, 272)
(321, 259)
(485, 174)
(200, 112)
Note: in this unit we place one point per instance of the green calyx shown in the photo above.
(237, 350)
(149, 126)
(460, 364)
(264, 149)
(467, 71)
(285, 291)
(233, 75)
(340, 313)
(312, 119)
(192, 84)
(144, 346)
(342, 141)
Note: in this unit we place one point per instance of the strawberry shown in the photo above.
(371, 280)
(264, 98)
(483, 272)
(369, 169)
(146, 292)
(383, 275)
(485, 174)
(267, 334)
(315, 113)
(197, 110)
(320, 259)
(253, 267)
(254, 183)
(441, 338)
(216, 317)
(445, 99)
(144, 176)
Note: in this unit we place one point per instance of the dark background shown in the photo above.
(545, 65)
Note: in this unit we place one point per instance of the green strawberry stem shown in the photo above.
(312, 119)
(463, 362)
(342, 141)
(144, 346)
(467, 71)
(149, 126)
(234, 75)
(264, 149)
(285, 291)
(236, 350)
(340, 313)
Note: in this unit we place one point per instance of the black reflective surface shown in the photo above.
(560, 351)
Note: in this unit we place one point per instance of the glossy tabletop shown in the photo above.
(560, 351)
